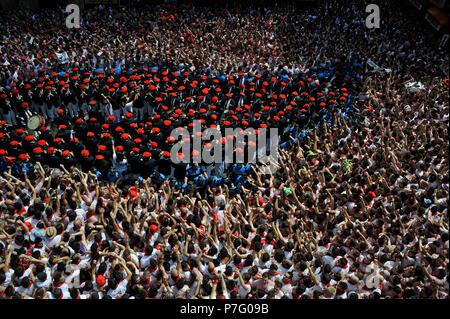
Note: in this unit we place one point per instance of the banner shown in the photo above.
(62, 57)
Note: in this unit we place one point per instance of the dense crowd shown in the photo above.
(92, 206)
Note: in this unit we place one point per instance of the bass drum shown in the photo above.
(35, 122)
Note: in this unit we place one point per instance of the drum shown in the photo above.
(35, 122)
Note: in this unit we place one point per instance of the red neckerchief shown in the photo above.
(58, 284)
(239, 265)
(25, 265)
(19, 212)
(234, 289)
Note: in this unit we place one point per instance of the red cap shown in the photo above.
(101, 281)
(85, 153)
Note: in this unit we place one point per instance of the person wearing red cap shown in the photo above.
(119, 161)
(86, 160)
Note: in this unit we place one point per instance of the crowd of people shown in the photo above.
(93, 207)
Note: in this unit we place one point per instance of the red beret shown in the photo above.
(50, 150)
(101, 280)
